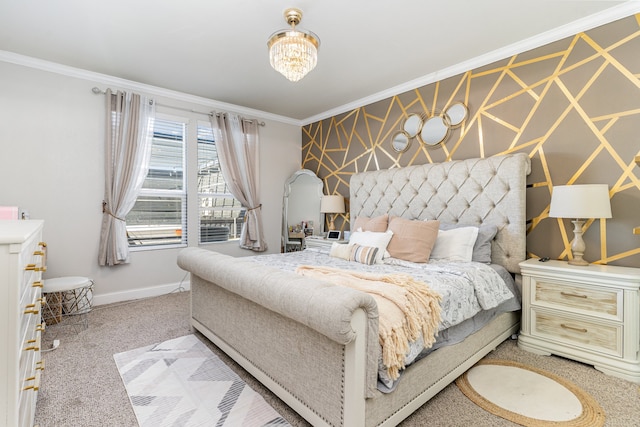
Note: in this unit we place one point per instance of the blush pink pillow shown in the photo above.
(412, 240)
(378, 224)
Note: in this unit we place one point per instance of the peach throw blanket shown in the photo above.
(406, 308)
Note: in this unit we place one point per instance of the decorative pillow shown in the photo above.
(340, 250)
(412, 240)
(455, 244)
(482, 247)
(377, 224)
(372, 238)
(355, 252)
(363, 254)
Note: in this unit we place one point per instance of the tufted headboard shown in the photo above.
(465, 192)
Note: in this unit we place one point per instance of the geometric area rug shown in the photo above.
(529, 396)
(180, 382)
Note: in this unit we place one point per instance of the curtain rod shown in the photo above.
(99, 91)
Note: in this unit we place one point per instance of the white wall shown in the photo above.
(52, 164)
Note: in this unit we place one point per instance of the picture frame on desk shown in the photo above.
(334, 235)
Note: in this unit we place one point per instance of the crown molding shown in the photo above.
(624, 10)
(119, 83)
(612, 14)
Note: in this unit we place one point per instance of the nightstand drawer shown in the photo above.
(602, 302)
(601, 337)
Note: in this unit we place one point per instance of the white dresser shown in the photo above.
(590, 314)
(22, 260)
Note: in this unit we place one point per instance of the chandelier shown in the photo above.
(293, 53)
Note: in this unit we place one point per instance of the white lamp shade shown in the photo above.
(332, 204)
(580, 201)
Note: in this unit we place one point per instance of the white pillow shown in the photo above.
(372, 238)
(455, 244)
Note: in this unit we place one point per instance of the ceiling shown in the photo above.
(216, 49)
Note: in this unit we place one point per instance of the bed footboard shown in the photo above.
(313, 344)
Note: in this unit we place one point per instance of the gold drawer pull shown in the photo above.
(37, 284)
(568, 294)
(42, 299)
(43, 244)
(41, 365)
(31, 311)
(36, 382)
(40, 253)
(35, 345)
(583, 330)
(33, 267)
(40, 327)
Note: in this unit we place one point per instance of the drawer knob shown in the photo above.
(569, 294)
(37, 284)
(573, 328)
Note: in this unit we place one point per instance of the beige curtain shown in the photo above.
(129, 133)
(237, 143)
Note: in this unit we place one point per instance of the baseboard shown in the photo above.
(140, 293)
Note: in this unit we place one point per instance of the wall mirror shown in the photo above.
(301, 203)
(412, 125)
(456, 114)
(434, 131)
(400, 141)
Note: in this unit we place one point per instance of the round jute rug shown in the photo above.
(529, 396)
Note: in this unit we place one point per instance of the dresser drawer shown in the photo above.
(605, 337)
(30, 338)
(31, 315)
(600, 302)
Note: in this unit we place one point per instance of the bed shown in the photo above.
(316, 345)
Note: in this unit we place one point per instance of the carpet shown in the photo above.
(529, 396)
(180, 382)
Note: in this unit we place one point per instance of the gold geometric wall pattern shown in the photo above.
(573, 106)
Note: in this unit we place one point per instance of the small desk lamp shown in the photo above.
(333, 204)
(580, 201)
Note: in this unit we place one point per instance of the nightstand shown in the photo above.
(321, 243)
(590, 314)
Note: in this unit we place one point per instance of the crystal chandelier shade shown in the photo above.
(293, 53)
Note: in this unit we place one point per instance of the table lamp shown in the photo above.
(332, 204)
(579, 202)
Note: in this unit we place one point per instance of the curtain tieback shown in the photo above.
(252, 209)
(108, 212)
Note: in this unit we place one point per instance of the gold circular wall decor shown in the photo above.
(434, 131)
(400, 141)
(455, 114)
(412, 125)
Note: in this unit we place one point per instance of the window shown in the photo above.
(159, 214)
(221, 215)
